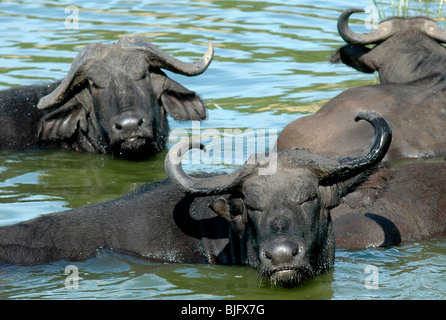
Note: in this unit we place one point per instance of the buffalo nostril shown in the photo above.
(282, 252)
(128, 123)
(295, 252)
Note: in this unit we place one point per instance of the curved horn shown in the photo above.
(383, 32)
(350, 166)
(160, 59)
(340, 169)
(75, 78)
(201, 186)
(434, 31)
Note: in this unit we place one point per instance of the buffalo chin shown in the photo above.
(136, 148)
(288, 277)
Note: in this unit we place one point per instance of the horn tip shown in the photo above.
(353, 10)
(182, 147)
(209, 54)
(42, 104)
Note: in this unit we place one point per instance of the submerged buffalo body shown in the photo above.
(114, 100)
(395, 205)
(411, 64)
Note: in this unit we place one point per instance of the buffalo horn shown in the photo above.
(201, 186)
(383, 32)
(339, 169)
(75, 79)
(160, 59)
(435, 32)
(350, 166)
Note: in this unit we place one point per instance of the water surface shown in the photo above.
(270, 67)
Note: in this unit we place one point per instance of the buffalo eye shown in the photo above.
(253, 207)
(143, 77)
(93, 84)
(310, 198)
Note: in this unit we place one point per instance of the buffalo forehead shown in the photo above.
(292, 184)
(132, 64)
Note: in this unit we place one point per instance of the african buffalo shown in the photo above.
(113, 100)
(279, 223)
(406, 51)
(411, 63)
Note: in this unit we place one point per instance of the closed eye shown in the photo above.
(312, 197)
(143, 77)
(94, 84)
(254, 207)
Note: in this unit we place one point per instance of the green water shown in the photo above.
(270, 67)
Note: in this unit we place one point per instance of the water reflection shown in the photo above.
(43, 181)
(270, 67)
(409, 271)
(113, 276)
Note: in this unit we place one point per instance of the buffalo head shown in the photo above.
(406, 49)
(284, 218)
(115, 99)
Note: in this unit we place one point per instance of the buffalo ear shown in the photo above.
(221, 207)
(330, 195)
(333, 194)
(179, 102)
(64, 121)
(231, 211)
(353, 56)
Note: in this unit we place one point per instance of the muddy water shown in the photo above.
(270, 67)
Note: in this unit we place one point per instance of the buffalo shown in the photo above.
(114, 100)
(283, 216)
(406, 51)
(411, 61)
